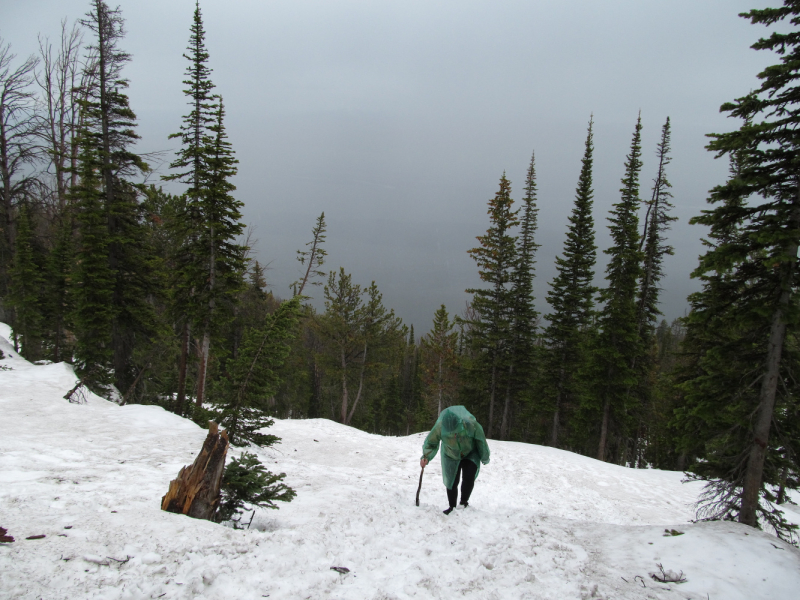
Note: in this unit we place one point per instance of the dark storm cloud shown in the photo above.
(397, 118)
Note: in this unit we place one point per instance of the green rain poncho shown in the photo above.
(462, 437)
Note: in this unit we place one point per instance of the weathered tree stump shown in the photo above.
(196, 490)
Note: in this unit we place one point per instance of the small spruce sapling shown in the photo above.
(247, 484)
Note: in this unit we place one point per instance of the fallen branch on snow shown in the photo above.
(668, 576)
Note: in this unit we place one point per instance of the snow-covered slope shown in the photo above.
(542, 523)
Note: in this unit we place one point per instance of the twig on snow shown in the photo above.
(668, 576)
(641, 580)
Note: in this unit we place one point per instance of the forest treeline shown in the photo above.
(154, 298)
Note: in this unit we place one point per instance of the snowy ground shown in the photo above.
(542, 523)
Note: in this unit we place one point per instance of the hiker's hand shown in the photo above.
(423, 461)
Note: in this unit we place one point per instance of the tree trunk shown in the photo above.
(766, 399)
(182, 369)
(492, 388)
(196, 491)
(559, 393)
(201, 373)
(439, 411)
(344, 388)
(360, 386)
(601, 449)
(782, 489)
(504, 424)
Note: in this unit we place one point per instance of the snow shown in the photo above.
(542, 523)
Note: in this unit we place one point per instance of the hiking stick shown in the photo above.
(421, 473)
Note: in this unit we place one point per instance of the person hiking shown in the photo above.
(464, 448)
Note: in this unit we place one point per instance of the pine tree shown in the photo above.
(496, 258)
(59, 280)
(221, 256)
(744, 388)
(247, 483)
(572, 300)
(254, 376)
(379, 330)
(524, 315)
(618, 343)
(93, 288)
(341, 327)
(439, 362)
(209, 261)
(27, 284)
(313, 258)
(105, 138)
(193, 156)
(653, 243)
(655, 248)
(18, 148)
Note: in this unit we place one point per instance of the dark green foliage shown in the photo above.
(439, 364)
(618, 341)
(26, 293)
(58, 298)
(657, 221)
(522, 350)
(252, 376)
(246, 484)
(193, 156)
(358, 339)
(109, 217)
(313, 258)
(572, 300)
(93, 286)
(210, 263)
(740, 384)
(491, 324)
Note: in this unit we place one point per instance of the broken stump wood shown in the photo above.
(196, 490)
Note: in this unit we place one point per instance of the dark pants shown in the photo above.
(470, 469)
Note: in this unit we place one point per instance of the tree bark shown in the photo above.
(182, 369)
(201, 374)
(601, 450)
(196, 491)
(492, 388)
(439, 411)
(559, 393)
(504, 424)
(344, 388)
(360, 386)
(754, 473)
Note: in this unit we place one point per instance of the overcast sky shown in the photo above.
(398, 118)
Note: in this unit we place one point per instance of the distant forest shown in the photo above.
(154, 299)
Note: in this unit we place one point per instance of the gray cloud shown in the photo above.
(397, 118)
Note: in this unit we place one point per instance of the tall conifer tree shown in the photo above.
(654, 248)
(211, 263)
(572, 300)
(27, 285)
(221, 255)
(496, 258)
(108, 214)
(754, 274)
(618, 342)
(523, 312)
(191, 164)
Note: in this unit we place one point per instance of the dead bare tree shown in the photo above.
(18, 148)
(62, 80)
